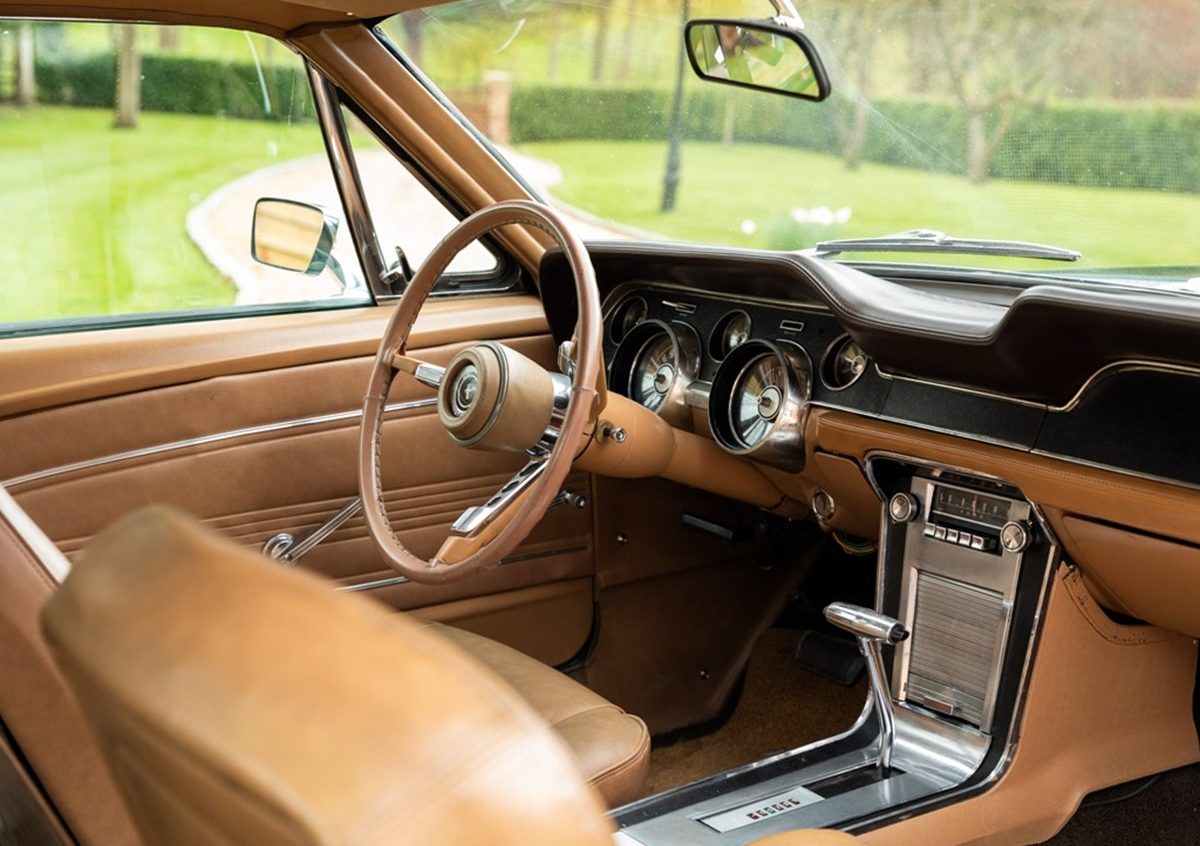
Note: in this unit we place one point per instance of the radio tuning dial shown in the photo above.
(903, 507)
(1014, 537)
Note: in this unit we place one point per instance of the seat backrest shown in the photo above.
(240, 702)
(39, 712)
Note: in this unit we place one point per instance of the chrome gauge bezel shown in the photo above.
(716, 346)
(616, 331)
(783, 444)
(827, 360)
(685, 348)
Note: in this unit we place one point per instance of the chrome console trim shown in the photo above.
(1053, 561)
(207, 440)
(938, 761)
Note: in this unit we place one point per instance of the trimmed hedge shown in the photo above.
(1154, 147)
(182, 85)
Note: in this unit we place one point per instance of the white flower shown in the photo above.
(749, 227)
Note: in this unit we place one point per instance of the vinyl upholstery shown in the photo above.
(238, 702)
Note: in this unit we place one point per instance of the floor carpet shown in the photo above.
(782, 706)
(1166, 813)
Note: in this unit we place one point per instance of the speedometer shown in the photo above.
(758, 403)
(758, 397)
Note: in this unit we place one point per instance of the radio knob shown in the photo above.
(1014, 537)
(903, 507)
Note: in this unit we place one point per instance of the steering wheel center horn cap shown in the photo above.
(493, 397)
(464, 390)
(758, 404)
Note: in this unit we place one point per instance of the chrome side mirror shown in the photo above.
(292, 236)
(762, 55)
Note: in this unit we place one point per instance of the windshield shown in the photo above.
(1071, 123)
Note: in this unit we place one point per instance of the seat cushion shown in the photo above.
(611, 748)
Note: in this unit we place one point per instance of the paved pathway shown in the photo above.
(406, 214)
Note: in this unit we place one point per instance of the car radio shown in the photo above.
(961, 561)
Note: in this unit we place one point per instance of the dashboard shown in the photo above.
(743, 371)
(806, 373)
(742, 346)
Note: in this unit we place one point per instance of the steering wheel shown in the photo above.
(489, 397)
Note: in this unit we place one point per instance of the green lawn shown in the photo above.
(94, 218)
(723, 187)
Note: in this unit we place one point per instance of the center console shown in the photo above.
(964, 563)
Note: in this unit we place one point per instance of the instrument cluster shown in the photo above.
(740, 372)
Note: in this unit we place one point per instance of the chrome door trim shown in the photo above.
(48, 556)
(208, 440)
(349, 183)
(392, 581)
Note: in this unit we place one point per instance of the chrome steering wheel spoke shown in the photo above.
(422, 371)
(476, 518)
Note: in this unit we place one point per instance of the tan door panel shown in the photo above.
(256, 453)
(49, 370)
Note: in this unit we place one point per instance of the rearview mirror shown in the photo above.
(761, 55)
(292, 236)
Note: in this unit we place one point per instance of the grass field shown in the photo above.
(722, 188)
(94, 218)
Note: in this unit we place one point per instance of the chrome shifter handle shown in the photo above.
(865, 623)
(872, 628)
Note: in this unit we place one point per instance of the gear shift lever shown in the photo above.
(872, 628)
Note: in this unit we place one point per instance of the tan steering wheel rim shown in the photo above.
(457, 560)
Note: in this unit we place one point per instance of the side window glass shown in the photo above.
(407, 215)
(134, 156)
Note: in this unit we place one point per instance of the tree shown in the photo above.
(600, 41)
(413, 36)
(556, 28)
(854, 27)
(675, 136)
(628, 40)
(26, 82)
(998, 56)
(168, 38)
(129, 77)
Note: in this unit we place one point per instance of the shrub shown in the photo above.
(182, 85)
(1153, 147)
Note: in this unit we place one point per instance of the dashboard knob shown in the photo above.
(823, 505)
(903, 507)
(1014, 537)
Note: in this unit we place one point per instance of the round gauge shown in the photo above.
(844, 364)
(758, 403)
(653, 372)
(654, 365)
(758, 398)
(731, 332)
(626, 318)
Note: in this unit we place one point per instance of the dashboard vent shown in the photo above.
(956, 643)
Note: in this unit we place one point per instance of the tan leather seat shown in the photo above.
(237, 702)
(611, 748)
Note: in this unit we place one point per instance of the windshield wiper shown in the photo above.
(931, 241)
